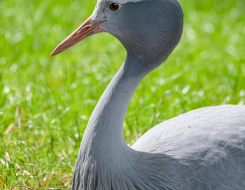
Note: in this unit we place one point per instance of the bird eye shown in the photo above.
(114, 6)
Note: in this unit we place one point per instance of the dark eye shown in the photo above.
(114, 6)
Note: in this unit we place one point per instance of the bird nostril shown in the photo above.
(83, 29)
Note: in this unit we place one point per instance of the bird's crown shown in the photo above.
(125, 1)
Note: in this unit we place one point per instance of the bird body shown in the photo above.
(208, 145)
(200, 150)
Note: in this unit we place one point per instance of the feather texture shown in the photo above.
(203, 149)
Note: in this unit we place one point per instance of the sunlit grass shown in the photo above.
(45, 103)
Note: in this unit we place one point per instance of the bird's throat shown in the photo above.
(104, 131)
(105, 161)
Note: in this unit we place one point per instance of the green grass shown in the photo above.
(48, 101)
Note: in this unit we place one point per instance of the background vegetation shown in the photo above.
(45, 103)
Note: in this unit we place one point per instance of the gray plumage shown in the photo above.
(200, 150)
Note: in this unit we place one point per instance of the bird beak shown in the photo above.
(85, 30)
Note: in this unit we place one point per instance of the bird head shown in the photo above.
(149, 29)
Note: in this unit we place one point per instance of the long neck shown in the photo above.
(105, 127)
(105, 161)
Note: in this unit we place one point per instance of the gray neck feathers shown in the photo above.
(105, 127)
(105, 161)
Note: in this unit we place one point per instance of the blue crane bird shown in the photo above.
(203, 149)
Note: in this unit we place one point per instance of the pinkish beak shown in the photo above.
(85, 30)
